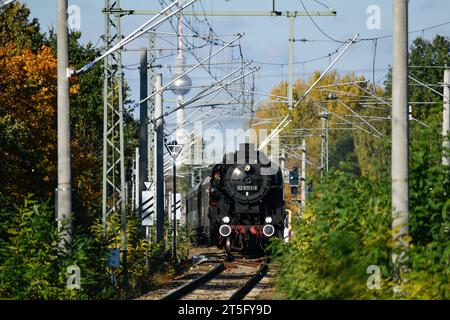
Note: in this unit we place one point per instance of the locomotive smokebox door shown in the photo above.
(243, 180)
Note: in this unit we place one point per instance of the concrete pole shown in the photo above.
(136, 180)
(324, 144)
(133, 185)
(291, 62)
(64, 190)
(143, 125)
(123, 215)
(399, 151)
(446, 119)
(282, 161)
(303, 177)
(151, 104)
(180, 61)
(159, 160)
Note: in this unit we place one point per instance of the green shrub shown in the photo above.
(32, 266)
(346, 228)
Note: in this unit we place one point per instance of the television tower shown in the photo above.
(181, 87)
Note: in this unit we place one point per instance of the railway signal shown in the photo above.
(293, 181)
(174, 150)
(293, 177)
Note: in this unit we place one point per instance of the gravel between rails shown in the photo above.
(265, 289)
(196, 270)
(222, 286)
(164, 288)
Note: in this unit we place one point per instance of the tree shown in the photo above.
(30, 264)
(27, 121)
(16, 28)
(346, 227)
(347, 142)
(427, 59)
(86, 116)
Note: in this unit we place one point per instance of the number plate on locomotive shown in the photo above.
(247, 188)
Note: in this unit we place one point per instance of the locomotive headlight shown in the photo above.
(268, 230)
(226, 219)
(225, 230)
(268, 220)
(247, 168)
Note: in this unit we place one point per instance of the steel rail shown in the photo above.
(242, 292)
(192, 285)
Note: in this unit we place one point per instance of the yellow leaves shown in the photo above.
(74, 89)
(28, 95)
(306, 114)
(27, 77)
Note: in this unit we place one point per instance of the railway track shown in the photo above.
(226, 281)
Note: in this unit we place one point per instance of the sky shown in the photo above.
(266, 38)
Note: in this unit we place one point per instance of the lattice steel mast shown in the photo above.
(113, 205)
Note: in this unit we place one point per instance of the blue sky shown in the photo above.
(266, 38)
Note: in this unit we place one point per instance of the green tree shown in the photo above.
(86, 116)
(427, 59)
(345, 145)
(346, 227)
(16, 27)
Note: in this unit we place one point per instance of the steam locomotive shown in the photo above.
(240, 205)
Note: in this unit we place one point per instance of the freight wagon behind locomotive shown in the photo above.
(244, 197)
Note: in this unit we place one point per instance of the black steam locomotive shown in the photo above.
(240, 205)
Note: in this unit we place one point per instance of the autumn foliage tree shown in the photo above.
(31, 264)
(27, 120)
(28, 114)
(347, 142)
